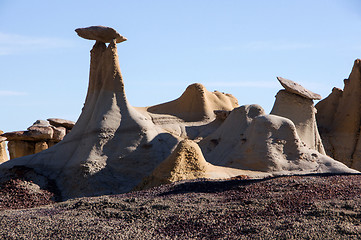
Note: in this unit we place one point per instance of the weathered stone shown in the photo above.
(42, 133)
(221, 114)
(100, 33)
(36, 134)
(51, 143)
(39, 123)
(20, 148)
(17, 136)
(40, 146)
(302, 113)
(3, 154)
(326, 110)
(59, 133)
(340, 115)
(296, 88)
(58, 122)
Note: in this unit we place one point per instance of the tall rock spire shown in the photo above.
(340, 120)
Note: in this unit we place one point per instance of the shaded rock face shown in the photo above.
(303, 114)
(115, 147)
(38, 137)
(339, 120)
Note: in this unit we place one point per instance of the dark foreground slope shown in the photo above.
(296, 207)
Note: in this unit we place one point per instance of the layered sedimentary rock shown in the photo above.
(115, 147)
(3, 154)
(296, 104)
(38, 137)
(339, 120)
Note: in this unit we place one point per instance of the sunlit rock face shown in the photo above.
(3, 154)
(115, 147)
(339, 120)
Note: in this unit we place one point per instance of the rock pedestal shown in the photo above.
(297, 105)
(38, 137)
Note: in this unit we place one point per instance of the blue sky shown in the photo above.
(234, 46)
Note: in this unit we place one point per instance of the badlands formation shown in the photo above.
(38, 137)
(339, 120)
(116, 148)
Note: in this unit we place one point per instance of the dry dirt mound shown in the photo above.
(186, 163)
(24, 188)
(307, 207)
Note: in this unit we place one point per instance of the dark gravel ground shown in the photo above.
(293, 207)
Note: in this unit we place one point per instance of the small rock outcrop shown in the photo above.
(38, 137)
(339, 120)
(296, 104)
(3, 154)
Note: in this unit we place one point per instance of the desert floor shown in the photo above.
(293, 207)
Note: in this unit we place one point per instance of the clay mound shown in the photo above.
(272, 145)
(217, 146)
(340, 120)
(265, 143)
(196, 104)
(185, 163)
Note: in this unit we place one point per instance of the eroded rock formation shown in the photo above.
(3, 154)
(339, 120)
(38, 137)
(296, 104)
(115, 147)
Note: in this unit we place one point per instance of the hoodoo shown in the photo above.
(296, 104)
(115, 147)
